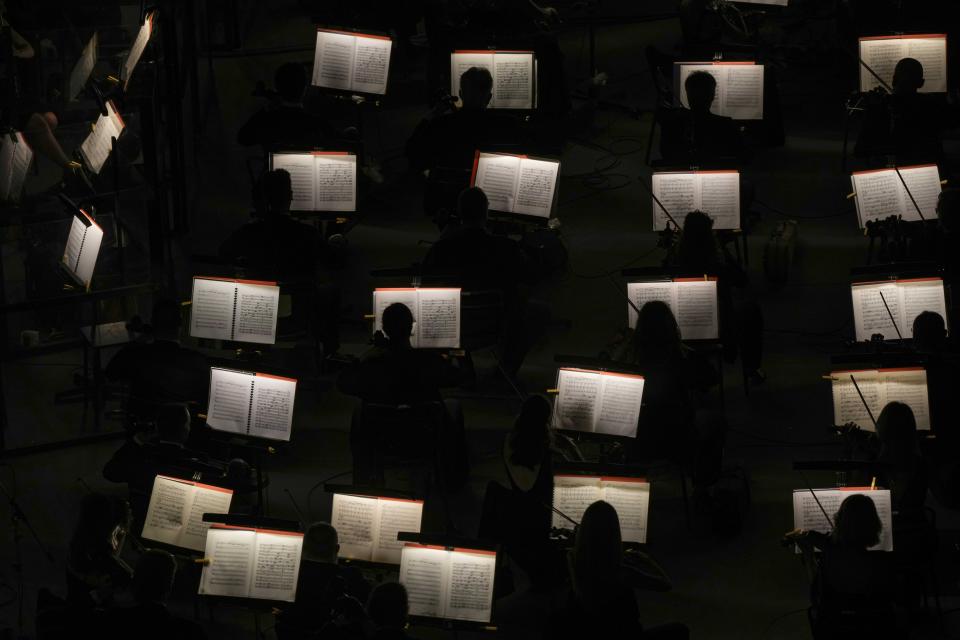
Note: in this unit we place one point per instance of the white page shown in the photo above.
(620, 399)
(924, 186)
(461, 62)
(383, 298)
(97, 146)
(807, 515)
(696, 310)
(336, 179)
(395, 516)
(71, 252)
(211, 310)
(333, 60)
(137, 49)
(276, 566)
(229, 406)
(720, 198)
(354, 518)
(83, 68)
(273, 399)
(107, 334)
(677, 192)
(743, 92)
(422, 573)
(15, 161)
(300, 166)
(932, 54)
(7, 147)
(577, 400)
(257, 306)
(847, 404)
(89, 254)
(206, 499)
(167, 511)
(513, 81)
(230, 553)
(881, 56)
(371, 64)
(499, 176)
(438, 319)
(640, 293)
(686, 69)
(535, 187)
(470, 587)
(571, 496)
(631, 499)
(870, 316)
(910, 388)
(879, 196)
(919, 296)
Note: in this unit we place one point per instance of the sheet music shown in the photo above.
(498, 176)
(883, 54)
(137, 49)
(438, 325)
(211, 310)
(910, 388)
(882, 57)
(336, 179)
(333, 60)
(879, 196)
(808, 515)
(461, 62)
(257, 306)
(919, 296)
(632, 503)
(371, 65)
(513, 78)
(71, 252)
(231, 554)
(395, 516)
(577, 398)
(743, 94)
(300, 166)
(847, 405)
(620, 399)
(869, 313)
(536, 186)
(272, 407)
(383, 298)
(15, 158)
(107, 334)
(354, 518)
(422, 573)
(571, 496)
(470, 588)
(677, 191)
(924, 185)
(229, 405)
(720, 198)
(640, 293)
(89, 254)
(276, 566)
(696, 309)
(684, 70)
(166, 512)
(205, 500)
(932, 54)
(83, 68)
(97, 146)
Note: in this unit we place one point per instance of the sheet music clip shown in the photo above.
(718, 56)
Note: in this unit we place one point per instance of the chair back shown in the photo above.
(481, 319)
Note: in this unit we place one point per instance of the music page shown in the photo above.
(354, 518)
(333, 60)
(498, 175)
(300, 166)
(513, 81)
(276, 565)
(572, 494)
(383, 298)
(631, 499)
(336, 180)
(371, 64)
(535, 187)
(422, 571)
(807, 514)
(137, 48)
(919, 295)
(720, 197)
(256, 312)
(696, 308)
(166, 513)
(272, 407)
(847, 404)
(909, 386)
(394, 516)
(470, 585)
(230, 553)
(83, 68)
(620, 399)
(211, 309)
(438, 319)
(640, 293)
(229, 405)
(577, 400)
(678, 193)
(743, 94)
(461, 61)
(206, 499)
(871, 315)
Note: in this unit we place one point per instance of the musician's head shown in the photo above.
(701, 90)
(476, 88)
(290, 81)
(274, 193)
(153, 577)
(948, 210)
(897, 432)
(698, 246)
(907, 76)
(857, 524)
(397, 322)
(320, 543)
(596, 558)
(929, 332)
(472, 207)
(657, 335)
(388, 607)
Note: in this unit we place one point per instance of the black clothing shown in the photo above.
(451, 140)
(695, 138)
(276, 247)
(398, 375)
(286, 126)
(907, 126)
(481, 261)
(149, 621)
(319, 586)
(616, 616)
(851, 578)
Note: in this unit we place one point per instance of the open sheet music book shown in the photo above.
(516, 184)
(879, 387)
(241, 310)
(598, 402)
(572, 494)
(15, 158)
(692, 300)
(514, 75)
(436, 314)
(349, 61)
(321, 180)
(137, 49)
(906, 299)
(716, 193)
(739, 87)
(882, 53)
(97, 146)
(253, 404)
(82, 249)
(175, 513)
(83, 68)
(881, 193)
(367, 526)
(251, 563)
(450, 584)
(807, 514)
